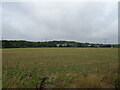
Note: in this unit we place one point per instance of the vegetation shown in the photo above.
(25, 44)
(65, 67)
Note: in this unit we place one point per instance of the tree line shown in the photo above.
(30, 44)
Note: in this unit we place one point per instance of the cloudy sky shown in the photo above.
(95, 22)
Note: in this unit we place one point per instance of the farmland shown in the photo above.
(65, 67)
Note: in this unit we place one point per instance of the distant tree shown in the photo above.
(24, 44)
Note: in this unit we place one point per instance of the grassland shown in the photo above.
(65, 67)
(0, 69)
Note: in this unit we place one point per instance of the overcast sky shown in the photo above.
(92, 22)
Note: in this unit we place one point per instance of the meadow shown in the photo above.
(65, 67)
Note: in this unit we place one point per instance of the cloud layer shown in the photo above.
(83, 22)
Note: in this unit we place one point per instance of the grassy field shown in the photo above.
(0, 69)
(65, 67)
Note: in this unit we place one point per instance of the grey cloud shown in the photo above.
(84, 22)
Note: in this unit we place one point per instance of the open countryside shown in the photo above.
(59, 44)
(64, 67)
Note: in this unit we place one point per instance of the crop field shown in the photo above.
(65, 67)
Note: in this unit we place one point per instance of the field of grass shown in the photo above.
(0, 69)
(65, 67)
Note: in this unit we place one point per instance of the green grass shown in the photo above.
(0, 69)
(65, 67)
